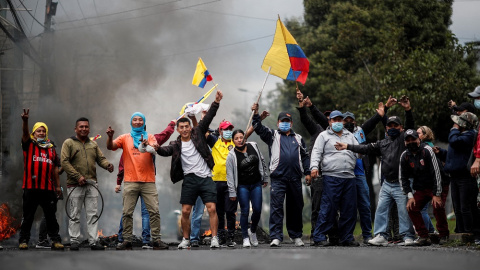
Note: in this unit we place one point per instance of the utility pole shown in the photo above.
(46, 76)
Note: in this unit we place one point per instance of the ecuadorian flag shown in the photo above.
(285, 57)
(201, 76)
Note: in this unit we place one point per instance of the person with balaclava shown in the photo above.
(390, 150)
(41, 183)
(139, 178)
(289, 162)
(79, 157)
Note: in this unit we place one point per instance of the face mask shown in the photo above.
(41, 140)
(241, 148)
(284, 126)
(476, 103)
(227, 134)
(393, 133)
(350, 126)
(413, 147)
(337, 126)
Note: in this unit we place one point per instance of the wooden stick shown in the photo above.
(258, 99)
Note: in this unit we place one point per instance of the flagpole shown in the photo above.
(258, 99)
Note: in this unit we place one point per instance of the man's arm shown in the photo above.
(371, 123)
(305, 158)
(207, 120)
(163, 136)
(308, 122)
(250, 130)
(404, 176)
(365, 148)
(110, 144)
(409, 120)
(434, 170)
(261, 130)
(25, 131)
(102, 160)
(65, 161)
(318, 116)
(166, 151)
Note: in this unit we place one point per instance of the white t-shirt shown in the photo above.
(193, 162)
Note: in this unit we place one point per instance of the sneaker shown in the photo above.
(351, 244)
(379, 240)
(23, 246)
(366, 239)
(246, 242)
(123, 246)
(97, 246)
(477, 242)
(298, 242)
(184, 244)
(194, 243)
(323, 243)
(443, 240)
(159, 245)
(214, 243)
(147, 245)
(231, 243)
(253, 238)
(275, 243)
(1, 248)
(421, 241)
(43, 244)
(57, 246)
(409, 242)
(74, 246)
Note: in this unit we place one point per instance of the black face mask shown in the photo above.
(350, 126)
(241, 148)
(413, 147)
(393, 133)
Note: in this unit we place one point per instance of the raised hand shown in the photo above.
(255, 108)
(264, 115)
(25, 114)
(381, 109)
(299, 95)
(405, 102)
(218, 96)
(307, 102)
(110, 132)
(390, 102)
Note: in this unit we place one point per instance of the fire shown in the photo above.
(7, 228)
(207, 232)
(237, 224)
(100, 233)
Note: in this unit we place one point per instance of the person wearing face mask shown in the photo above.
(390, 150)
(464, 189)
(339, 187)
(419, 163)
(246, 174)
(41, 183)
(289, 161)
(221, 145)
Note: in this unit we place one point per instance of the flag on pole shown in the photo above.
(285, 57)
(201, 75)
(200, 100)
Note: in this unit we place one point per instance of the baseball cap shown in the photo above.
(284, 115)
(465, 106)
(349, 114)
(394, 119)
(475, 93)
(225, 125)
(466, 120)
(336, 114)
(411, 133)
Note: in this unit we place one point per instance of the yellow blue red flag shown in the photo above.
(285, 57)
(201, 75)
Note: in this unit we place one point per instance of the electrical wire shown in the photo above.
(33, 16)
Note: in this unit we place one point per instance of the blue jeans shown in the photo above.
(427, 220)
(389, 193)
(339, 194)
(363, 205)
(247, 194)
(196, 222)
(145, 225)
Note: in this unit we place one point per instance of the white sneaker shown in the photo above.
(246, 242)
(253, 238)
(184, 244)
(275, 243)
(379, 240)
(298, 242)
(214, 243)
(409, 242)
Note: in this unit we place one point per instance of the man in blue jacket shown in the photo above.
(289, 161)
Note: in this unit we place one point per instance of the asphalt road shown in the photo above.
(262, 257)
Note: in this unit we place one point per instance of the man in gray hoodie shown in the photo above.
(339, 185)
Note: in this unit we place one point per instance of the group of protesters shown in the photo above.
(220, 169)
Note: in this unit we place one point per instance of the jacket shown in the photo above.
(460, 145)
(423, 168)
(333, 162)
(199, 141)
(79, 159)
(232, 169)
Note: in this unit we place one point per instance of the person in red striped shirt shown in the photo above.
(41, 183)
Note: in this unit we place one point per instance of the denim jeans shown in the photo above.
(196, 222)
(389, 193)
(247, 194)
(145, 224)
(426, 219)
(363, 205)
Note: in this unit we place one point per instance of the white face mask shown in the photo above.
(40, 140)
(476, 103)
(227, 134)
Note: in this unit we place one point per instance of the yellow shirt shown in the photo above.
(220, 152)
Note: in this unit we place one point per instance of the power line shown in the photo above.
(33, 16)
(233, 15)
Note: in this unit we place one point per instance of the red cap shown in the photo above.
(225, 125)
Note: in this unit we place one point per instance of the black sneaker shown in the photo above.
(422, 241)
(324, 243)
(97, 246)
(124, 246)
(194, 243)
(147, 245)
(443, 240)
(231, 243)
(43, 244)
(159, 245)
(351, 244)
(74, 246)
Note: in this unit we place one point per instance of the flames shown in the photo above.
(207, 232)
(100, 233)
(7, 227)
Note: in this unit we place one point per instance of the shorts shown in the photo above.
(194, 186)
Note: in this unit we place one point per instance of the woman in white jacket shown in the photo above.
(246, 174)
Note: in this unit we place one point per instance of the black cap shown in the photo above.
(465, 106)
(284, 115)
(394, 119)
(411, 133)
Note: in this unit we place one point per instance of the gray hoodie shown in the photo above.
(232, 173)
(332, 161)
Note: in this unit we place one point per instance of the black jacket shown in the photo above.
(198, 138)
(423, 168)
